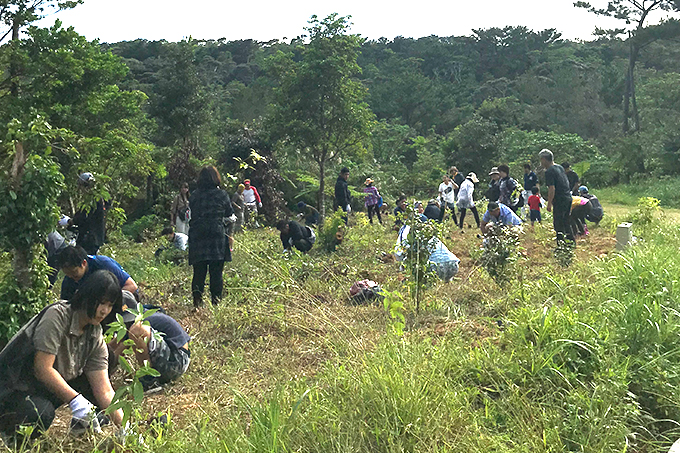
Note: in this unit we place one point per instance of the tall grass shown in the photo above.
(665, 189)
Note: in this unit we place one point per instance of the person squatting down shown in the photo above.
(295, 235)
(164, 344)
(78, 266)
(60, 357)
(499, 214)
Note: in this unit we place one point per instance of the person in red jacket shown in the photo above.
(535, 206)
(252, 201)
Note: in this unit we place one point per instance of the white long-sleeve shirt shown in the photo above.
(465, 200)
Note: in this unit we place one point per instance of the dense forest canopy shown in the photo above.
(145, 115)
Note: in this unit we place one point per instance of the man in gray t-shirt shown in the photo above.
(559, 195)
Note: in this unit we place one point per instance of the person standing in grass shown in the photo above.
(457, 178)
(507, 187)
(208, 242)
(60, 357)
(342, 195)
(372, 200)
(493, 192)
(530, 181)
(466, 200)
(447, 197)
(179, 212)
(535, 205)
(252, 202)
(559, 196)
(239, 206)
(572, 177)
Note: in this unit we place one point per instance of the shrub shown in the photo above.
(144, 228)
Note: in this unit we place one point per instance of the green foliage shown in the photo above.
(320, 110)
(416, 251)
(500, 252)
(129, 395)
(331, 233)
(18, 305)
(144, 228)
(647, 215)
(393, 303)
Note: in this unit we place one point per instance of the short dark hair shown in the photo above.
(527, 166)
(101, 286)
(167, 230)
(72, 256)
(344, 170)
(492, 206)
(534, 190)
(209, 178)
(281, 224)
(566, 165)
(504, 168)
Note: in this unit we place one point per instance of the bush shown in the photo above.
(332, 231)
(142, 229)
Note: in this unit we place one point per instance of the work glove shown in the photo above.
(83, 413)
(232, 218)
(349, 209)
(259, 205)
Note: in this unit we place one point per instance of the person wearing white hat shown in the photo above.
(494, 190)
(466, 200)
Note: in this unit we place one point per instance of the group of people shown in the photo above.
(570, 203)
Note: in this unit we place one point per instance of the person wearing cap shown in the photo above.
(342, 196)
(499, 214)
(60, 357)
(163, 344)
(447, 197)
(91, 222)
(466, 200)
(372, 200)
(310, 213)
(597, 212)
(252, 201)
(239, 206)
(432, 210)
(559, 195)
(179, 211)
(494, 191)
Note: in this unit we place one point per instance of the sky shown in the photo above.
(265, 20)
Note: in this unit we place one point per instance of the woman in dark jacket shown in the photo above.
(208, 242)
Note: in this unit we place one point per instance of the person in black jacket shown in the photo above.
(432, 211)
(208, 242)
(342, 196)
(295, 235)
(91, 223)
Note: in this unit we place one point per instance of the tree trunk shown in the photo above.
(322, 189)
(21, 263)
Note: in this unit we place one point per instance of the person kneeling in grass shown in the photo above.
(179, 240)
(60, 357)
(499, 214)
(295, 235)
(167, 353)
(79, 266)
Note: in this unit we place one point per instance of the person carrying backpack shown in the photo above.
(507, 187)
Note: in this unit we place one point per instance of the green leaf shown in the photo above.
(12, 195)
(138, 391)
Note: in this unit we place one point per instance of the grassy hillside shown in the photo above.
(579, 359)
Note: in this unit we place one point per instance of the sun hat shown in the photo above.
(494, 171)
(368, 181)
(473, 177)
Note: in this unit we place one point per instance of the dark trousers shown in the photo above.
(577, 218)
(303, 245)
(561, 222)
(452, 207)
(37, 408)
(198, 282)
(373, 209)
(474, 213)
